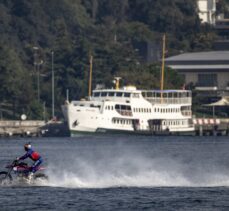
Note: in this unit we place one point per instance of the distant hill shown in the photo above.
(110, 30)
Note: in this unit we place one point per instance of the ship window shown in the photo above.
(123, 107)
(117, 106)
(126, 94)
(104, 94)
(111, 94)
(96, 94)
(119, 94)
(135, 95)
(149, 94)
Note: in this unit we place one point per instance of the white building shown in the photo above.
(207, 11)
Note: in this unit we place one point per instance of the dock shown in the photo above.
(211, 127)
(21, 128)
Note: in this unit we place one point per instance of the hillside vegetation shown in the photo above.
(113, 31)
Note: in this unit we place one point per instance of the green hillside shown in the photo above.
(110, 30)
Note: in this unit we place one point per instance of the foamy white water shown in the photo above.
(153, 165)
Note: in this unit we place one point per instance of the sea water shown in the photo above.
(122, 173)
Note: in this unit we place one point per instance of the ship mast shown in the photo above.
(90, 77)
(163, 66)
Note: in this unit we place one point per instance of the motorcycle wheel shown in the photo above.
(4, 178)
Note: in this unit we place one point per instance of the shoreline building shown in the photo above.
(207, 11)
(205, 71)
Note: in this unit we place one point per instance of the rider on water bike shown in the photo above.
(35, 156)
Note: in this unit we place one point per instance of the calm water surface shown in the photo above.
(122, 173)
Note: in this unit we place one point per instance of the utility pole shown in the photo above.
(162, 67)
(53, 93)
(90, 77)
(35, 48)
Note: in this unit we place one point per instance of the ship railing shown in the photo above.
(158, 100)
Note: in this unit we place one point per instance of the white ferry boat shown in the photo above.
(128, 110)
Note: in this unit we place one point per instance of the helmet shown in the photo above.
(27, 146)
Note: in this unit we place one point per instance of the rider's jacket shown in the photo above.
(32, 155)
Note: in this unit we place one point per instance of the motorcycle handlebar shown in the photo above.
(15, 162)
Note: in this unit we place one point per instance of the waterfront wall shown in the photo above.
(21, 128)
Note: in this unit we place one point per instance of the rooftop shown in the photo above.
(201, 56)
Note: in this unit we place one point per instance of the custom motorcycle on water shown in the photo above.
(20, 171)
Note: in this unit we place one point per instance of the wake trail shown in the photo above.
(137, 171)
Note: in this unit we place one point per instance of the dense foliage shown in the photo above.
(115, 32)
